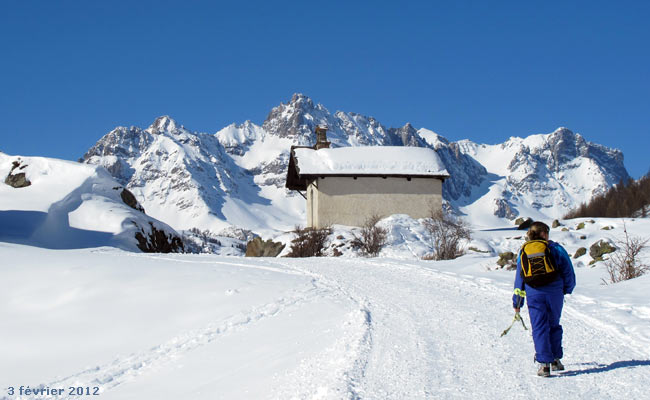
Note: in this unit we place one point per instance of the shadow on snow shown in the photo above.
(598, 368)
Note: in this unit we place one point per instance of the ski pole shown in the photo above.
(517, 317)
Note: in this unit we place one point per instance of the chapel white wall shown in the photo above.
(349, 201)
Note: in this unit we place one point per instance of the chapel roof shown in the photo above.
(306, 162)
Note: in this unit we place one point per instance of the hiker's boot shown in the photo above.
(544, 370)
(557, 365)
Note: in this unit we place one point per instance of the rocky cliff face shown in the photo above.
(465, 172)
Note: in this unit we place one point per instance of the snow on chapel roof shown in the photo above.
(370, 160)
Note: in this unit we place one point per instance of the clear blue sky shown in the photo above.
(70, 71)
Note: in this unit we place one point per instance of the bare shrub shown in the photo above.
(624, 264)
(372, 238)
(446, 233)
(309, 242)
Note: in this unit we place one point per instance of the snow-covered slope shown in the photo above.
(236, 177)
(72, 205)
(141, 326)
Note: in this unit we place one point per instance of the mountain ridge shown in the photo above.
(233, 175)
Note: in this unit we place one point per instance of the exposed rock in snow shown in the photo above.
(129, 199)
(260, 248)
(154, 240)
(16, 178)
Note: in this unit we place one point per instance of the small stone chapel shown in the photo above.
(348, 185)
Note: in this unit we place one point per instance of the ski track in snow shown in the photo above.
(427, 337)
(418, 333)
(127, 368)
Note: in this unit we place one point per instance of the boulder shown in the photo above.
(259, 248)
(129, 199)
(17, 179)
(600, 248)
(556, 223)
(507, 259)
(580, 252)
(526, 224)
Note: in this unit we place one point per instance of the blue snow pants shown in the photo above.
(545, 311)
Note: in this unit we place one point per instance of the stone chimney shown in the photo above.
(321, 138)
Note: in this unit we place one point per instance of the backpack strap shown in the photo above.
(538, 266)
(526, 269)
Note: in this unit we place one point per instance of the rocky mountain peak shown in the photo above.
(562, 131)
(301, 101)
(565, 137)
(164, 124)
(406, 136)
(296, 119)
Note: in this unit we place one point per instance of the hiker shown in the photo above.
(544, 275)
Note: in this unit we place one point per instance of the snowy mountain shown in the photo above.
(541, 176)
(66, 205)
(235, 177)
(298, 119)
(188, 179)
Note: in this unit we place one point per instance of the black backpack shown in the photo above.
(538, 267)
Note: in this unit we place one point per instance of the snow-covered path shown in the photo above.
(435, 334)
(207, 327)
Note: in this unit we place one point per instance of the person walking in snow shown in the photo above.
(544, 275)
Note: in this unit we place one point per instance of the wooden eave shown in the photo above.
(294, 180)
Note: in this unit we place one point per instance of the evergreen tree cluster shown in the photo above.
(625, 200)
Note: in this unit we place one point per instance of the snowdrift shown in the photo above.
(69, 205)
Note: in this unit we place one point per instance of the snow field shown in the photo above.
(141, 326)
(204, 326)
(435, 334)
